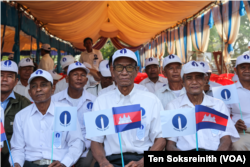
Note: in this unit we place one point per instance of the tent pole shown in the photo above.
(16, 47)
(222, 42)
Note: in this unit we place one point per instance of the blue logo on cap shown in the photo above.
(27, 60)
(78, 63)
(65, 118)
(107, 65)
(171, 56)
(194, 64)
(150, 59)
(39, 72)
(203, 64)
(123, 51)
(179, 122)
(164, 85)
(90, 105)
(225, 94)
(102, 122)
(64, 59)
(7, 63)
(246, 57)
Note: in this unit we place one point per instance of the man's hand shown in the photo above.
(16, 165)
(240, 125)
(56, 164)
(106, 164)
(136, 163)
(206, 88)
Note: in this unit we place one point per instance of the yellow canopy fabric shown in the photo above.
(133, 22)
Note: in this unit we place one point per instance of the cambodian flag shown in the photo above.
(207, 118)
(127, 117)
(3, 136)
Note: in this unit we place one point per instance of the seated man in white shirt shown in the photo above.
(75, 95)
(172, 70)
(25, 69)
(65, 62)
(194, 79)
(31, 143)
(242, 69)
(124, 71)
(209, 84)
(153, 82)
(106, 78)
(114, 85)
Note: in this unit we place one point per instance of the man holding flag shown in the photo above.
(194, 79)
(242, 70)
(135, 141)
(31, 143)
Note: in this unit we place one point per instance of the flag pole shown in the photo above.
(197, 142)
(52, 147)
(241, 117)
(9, 150)
(119, 136)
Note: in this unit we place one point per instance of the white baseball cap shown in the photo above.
(124, 53)
(248, 44)
(41, 73)
(205, 65)
(25, 62)
(104, 68)
(151, 61)
(54, 75)
(77, 65)
(242, 59)
(191, 67)
(67, 60)
(171, 59)
(9, 65)
(46, 47)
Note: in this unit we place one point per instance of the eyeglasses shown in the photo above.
(129, 68)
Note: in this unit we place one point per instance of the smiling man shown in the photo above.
(194, 79)
(242, 70)
(11, 102)
(33, 130)
(172, 70)
(124, 71)
(76, 96)
(153, 82)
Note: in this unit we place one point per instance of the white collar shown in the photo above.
(50, 109)
(166, 88)
(160, 79)
(207, 101)
(119, 95)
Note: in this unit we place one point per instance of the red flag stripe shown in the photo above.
(134, 117)
(2, 128)
(219, 120)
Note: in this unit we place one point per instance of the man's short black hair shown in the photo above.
(88, 38)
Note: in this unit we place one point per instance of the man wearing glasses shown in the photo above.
(135, 141)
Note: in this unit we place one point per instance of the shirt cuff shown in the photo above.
(67, 162)
(174, 139)
(16, 160)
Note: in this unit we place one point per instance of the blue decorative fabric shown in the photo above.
(211, 20)
(242, 9)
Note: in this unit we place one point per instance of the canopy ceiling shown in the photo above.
(133, 22)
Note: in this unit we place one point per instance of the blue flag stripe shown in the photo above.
(124, 127)
(209, 125)
(199, 108)
(3, 137)
(126, 109)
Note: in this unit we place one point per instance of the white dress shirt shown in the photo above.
(212, 84)
(153, 87)
(89, 57)
(150, 119)
(166, 95)
(85, 105)
(244, 99)
(22, 90)
(46, 63)
(32, 137)
(113, 87)
(207, 138)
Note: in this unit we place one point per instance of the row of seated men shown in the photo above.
(29, 127)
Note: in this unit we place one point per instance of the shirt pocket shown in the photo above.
(140, 136)
(213, 138)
